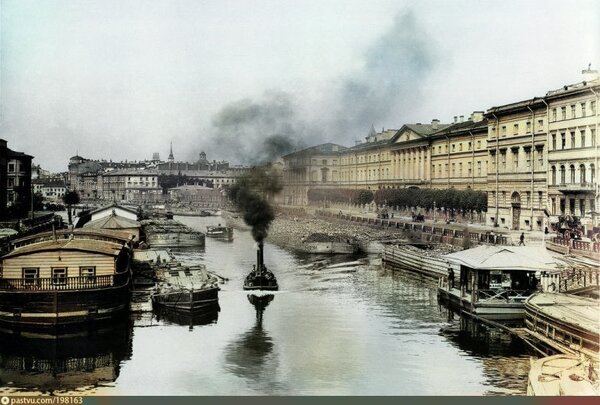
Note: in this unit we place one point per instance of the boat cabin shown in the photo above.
(494, 280)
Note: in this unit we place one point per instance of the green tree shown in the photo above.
(70, 198)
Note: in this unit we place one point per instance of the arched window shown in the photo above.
(572, 174)
(582, 174)
(592, 173)
(562, 175)
(553, 175)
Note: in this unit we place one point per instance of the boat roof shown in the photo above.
(113, 221)
(581, 311)
(526, 258)
(84, 245)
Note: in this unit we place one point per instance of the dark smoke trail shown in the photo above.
(250, 194)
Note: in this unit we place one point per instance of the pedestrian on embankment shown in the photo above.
(522, 239)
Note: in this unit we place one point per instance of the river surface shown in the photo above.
(337, 326)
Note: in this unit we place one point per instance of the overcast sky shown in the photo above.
(122, 79)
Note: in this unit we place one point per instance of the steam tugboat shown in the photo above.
(260, 278)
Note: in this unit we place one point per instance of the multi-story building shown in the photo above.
(15, 181)
(135, 186)
(517, 136)
(50, 188)
(573, 150)
(316, 166)
(459, 156)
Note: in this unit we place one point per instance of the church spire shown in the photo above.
(171, 158)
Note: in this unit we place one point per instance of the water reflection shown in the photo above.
(251, 355)
(73, 360)
(190, 319)
(505, 357)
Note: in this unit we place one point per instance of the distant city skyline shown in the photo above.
(122, 79)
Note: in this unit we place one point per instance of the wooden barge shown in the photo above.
(563, 375)
(189, 289)
(320, 243)
(567, 323)
(171, 233)
(46, 281)
(418, 259)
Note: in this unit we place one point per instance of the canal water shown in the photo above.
(337, 326)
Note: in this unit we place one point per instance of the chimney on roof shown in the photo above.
(434, 123)
(462, 118)
(477, 116)
(455, 119)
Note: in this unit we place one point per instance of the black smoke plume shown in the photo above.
(387, 88)
(250, 194)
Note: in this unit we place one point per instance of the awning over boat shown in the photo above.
(524, 258)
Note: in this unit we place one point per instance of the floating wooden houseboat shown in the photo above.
(567, 323)
(322, 243)
(188, 289)
(563, 375)
(171, 233)
(220, 232)
(50, 281)
(494, 281)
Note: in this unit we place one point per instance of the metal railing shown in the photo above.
(61, 283)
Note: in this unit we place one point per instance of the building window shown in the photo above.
(553, 141)
(515, 158)
(59, 276)
(470, 169)
(563, 140)
(582, 134)
(460, 146)
(503, 130)
(583, 112)
(469, 146)
(528, 157)
(460, 172)
(573, 115)
(540, 153)
(593, 137)
(563, 113)
(515, 129)
(453, 169)
(528, 198)
(31, 276)
(503, 159)
(554, 115)
(553, 205)
(592, 173)
(453, 147)
(572, 139)
(582, 174)
(479, 168)
(562, 175)
(11, 167)
(11, 182)
(540, 124)
(593, 107)
(528, 127)
(572, 174)
(478, 144)
(540, 199)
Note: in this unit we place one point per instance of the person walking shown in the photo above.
(522, 239)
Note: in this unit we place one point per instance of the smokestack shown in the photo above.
(434, 123)
(259, 258)
(455, 119)
(462, 118)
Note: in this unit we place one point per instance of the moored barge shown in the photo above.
(56, 282)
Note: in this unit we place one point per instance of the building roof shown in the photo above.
(14, 154)
(425, 129)
(464, 126)
(113, 221)
(324, 148)
(84, 245)
(505, 258)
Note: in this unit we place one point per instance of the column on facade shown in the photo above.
(422, 163)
